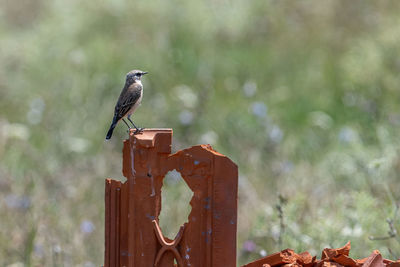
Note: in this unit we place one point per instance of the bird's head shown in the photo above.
(134, 75)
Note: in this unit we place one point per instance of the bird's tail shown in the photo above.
(110, 131)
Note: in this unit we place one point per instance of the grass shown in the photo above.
(303, 96)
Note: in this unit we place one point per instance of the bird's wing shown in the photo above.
(127, 99)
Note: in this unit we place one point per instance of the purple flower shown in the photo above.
(87, 227)
(249, 246)
(17, 202)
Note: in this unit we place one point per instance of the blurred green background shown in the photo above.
(303, 95)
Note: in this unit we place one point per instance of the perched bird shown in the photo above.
(128, 101)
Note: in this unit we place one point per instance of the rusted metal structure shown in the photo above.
(133, 236)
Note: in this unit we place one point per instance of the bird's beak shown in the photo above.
(144, 72)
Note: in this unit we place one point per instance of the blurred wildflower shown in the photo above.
(377, 163)
(186, 117)
(269, 211)
(57, 249)
(346, 231)
(14, 130)
(249, 246)
(35, 112)
(186, 95)
(321, 119)
(209, 137)
(87, 227)
(76, 144)
(263, 253)
(357, 230)
(259, 109)
(250, 88)
(17, 202)
(276, 134)
(348, 135)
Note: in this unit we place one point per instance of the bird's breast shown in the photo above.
(137, 104)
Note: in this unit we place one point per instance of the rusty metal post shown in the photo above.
(133, 236)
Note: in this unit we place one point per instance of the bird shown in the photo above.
(128, 101)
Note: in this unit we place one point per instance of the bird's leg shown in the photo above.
(129, 127)
(138, 130)
(129, 119)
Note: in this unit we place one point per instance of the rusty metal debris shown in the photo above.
(338, 257)
(133, 236)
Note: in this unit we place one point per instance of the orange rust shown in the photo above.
(286, 256)
(305, 258)
(374, 260)
(361, 261)
(295, 264)
(330, 253)
(331, 264)
(132, 233)
(393, 263)
(330, 258)
(345, 260)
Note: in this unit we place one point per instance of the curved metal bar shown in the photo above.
(165, 246)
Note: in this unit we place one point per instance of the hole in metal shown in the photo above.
(175, 204)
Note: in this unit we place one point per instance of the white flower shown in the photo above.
(250, 88)
(348, 135)
(276, 134)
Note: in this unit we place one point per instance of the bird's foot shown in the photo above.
(138, 130)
